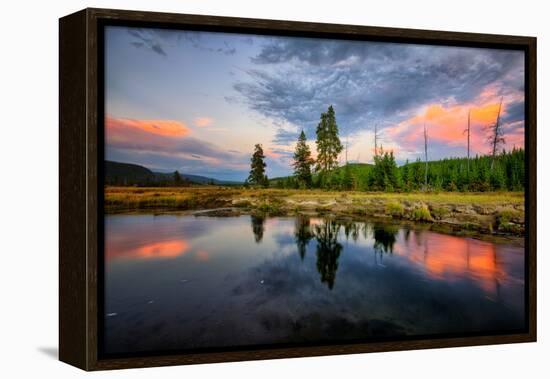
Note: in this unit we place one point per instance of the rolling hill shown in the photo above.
(118, 173)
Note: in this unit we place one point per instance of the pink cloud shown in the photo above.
(168, 128)
(168, 139)
(446, 124)
(202, 122)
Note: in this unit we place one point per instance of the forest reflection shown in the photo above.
(440, 255)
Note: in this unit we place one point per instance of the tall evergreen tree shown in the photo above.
(347, 179)
(302, 162)
(385, 174)
(177, 178)
(257, 167)
(328, 142)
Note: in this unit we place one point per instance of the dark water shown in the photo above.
(186, 282)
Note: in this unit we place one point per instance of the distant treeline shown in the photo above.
(127, 174)
(452, 174)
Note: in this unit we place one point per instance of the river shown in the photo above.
(182, 282)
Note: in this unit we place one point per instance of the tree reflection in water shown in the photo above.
(328, 251)
(302, 234)
(384, 238)
(352, 229)
(329, 248)
(258, 227)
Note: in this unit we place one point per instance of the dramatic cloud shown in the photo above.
(198, 41)
(155, 40)
(297, 79)
(160, 40)
(236, 90)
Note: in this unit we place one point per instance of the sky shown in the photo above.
(198, 102)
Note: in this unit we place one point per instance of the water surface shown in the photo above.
(177, 282)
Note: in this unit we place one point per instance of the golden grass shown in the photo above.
(209, 197)
(483, 211)
(124, 198)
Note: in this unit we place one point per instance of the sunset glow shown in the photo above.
(156, 250)
(217, 95)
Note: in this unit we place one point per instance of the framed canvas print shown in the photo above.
(237, 189)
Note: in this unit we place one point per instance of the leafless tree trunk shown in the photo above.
(496, 137)
(346, 150)
(426, 157)
(468, 151)
(376, 139)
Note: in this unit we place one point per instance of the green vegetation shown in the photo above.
(482, 194)
(328, 142)
(257, 168)
(394, 209)
(500, 171)
(302, 162)
(499, 212)
(421, 213)
(439, 212)
(452, 175)
(385, 175)
(509, 221)
(127, 174)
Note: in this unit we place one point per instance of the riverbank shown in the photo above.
(493, 213)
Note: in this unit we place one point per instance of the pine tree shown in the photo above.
(405, 174)
(328, 142)
(385, 175)
(347, 179)
(257, 167)
(177, 178)
(302, 162)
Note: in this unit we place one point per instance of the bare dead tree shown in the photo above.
(346, 149)
(376, 139)
(426, 157)
(496, 136)
(468, 151)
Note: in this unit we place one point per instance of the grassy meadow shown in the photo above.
(493, 212)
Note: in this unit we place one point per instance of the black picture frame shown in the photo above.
(81, 182)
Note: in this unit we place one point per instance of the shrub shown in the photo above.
(506, 216)
(272, 208)
(421, 213)
(242, 204)
(439, 212)
(395, 209)
(359, 211)
(510, 228)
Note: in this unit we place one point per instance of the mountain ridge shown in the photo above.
(122, 173)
